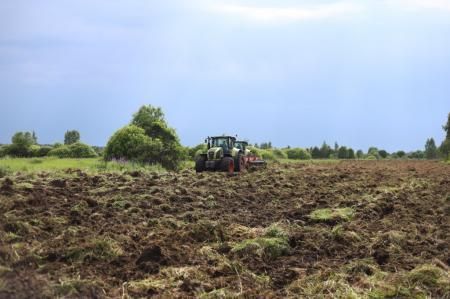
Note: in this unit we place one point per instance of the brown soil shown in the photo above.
(143, 234)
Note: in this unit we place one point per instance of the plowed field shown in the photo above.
(336, 230)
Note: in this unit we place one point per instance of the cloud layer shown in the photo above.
(286, 14)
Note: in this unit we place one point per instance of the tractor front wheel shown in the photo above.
(227, 164)
(200, 164)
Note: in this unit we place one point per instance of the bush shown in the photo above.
(43, 151)
(267, 155)
(197, 150)
(60, 152)
(81, 150)
(131, 143)
(298, 154)
(279, 154)
(4, 150)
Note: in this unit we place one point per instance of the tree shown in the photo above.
(325, 150)
(446, 127)
(132, 144)
(431, 151)
(351, 153)
(445, 149)
(359, 154)
(383, 154)
(34, 137)
(373, 152)
(151, 120)
(342, 153)
(71, 137)
(315, 153)
(400, 154)
(21, 143)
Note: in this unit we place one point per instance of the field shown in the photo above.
(353, 229)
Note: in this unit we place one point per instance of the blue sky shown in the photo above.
(296, 73)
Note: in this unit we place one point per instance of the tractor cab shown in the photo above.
(242, 145)
(227, 143)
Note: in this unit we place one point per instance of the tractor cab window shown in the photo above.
(220, 142)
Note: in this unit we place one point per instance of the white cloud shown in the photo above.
(278, 14)
(442, 5)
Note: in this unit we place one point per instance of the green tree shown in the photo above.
(446, 127)
(71, 137)
(315, 153)
(400, 154)
(383, 154)
(325, 150)
(131, 143)
(21, 144)
(359, 154)
(445, 149)
(431, 151)
(351, 153)
(33, 135)
(342, 153)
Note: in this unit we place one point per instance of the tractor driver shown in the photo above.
(223, 145)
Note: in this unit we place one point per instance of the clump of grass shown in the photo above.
(4, 171)
(98, 249)
(335, 214)
(168, 279)
(206, 230)
(272, 244)
(74, 288)
(218, 294)
(322, 285)
(148, 285)
(430, 276)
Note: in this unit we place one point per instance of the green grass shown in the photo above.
(332, 214)
(55, 164)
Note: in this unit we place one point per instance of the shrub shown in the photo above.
(4, 150)
(33, 150)
(196, 150)
(298, 154)
(60, 152)
(279, 154)
(81, 150)
(267, 155)
(43, 151)
(133, 144)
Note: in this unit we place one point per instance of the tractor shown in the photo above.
(224, 154)
(221, 155)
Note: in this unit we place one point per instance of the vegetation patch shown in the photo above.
(99, 249)
(272, 244)
(332, 215)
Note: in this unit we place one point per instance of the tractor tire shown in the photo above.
(227, 164)
(200, 164)
(239, 164)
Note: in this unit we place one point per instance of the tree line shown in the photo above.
(149, 139)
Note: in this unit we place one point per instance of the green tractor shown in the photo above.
(222, 155)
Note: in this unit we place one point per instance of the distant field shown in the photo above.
(54, 164)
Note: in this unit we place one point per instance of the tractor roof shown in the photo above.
(223, 137)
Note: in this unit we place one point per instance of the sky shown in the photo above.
(297, 73)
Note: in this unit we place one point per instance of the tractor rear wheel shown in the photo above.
(200, 164)
(239, 164)
(227, 164)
